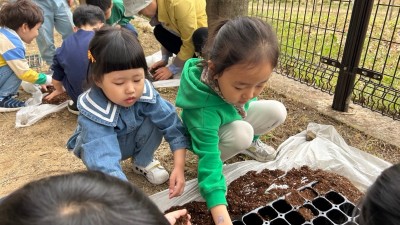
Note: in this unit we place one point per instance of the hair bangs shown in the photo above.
(123, 56)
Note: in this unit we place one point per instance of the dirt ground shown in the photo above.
(38, 151)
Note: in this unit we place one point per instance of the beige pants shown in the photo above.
(262, 117)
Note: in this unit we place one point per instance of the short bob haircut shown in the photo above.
(114, 49)
(14, 14)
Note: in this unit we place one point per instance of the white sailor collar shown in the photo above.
(94, 105)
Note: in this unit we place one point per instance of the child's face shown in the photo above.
(123, 87)
(27, 34)
(242, 82)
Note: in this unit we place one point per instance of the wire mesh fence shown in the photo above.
(313, 37)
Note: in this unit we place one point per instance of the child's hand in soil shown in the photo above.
(178, 217)
(53, 94)
(55, 90)
(157, 65)
(162, 73)
(159, 71)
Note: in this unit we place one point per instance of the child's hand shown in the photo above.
(58, 89)
(157, 65)
(176, 182)
(172, 217)
(162, 73)
(53, 94)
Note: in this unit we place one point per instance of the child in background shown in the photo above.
(114, 11)
(381, 203)
(180, 27)
(220, 108)
(19, 22)
(82, 198)
(70, 62)
(122, 116)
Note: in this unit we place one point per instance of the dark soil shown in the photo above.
(253, 190)
(56, 100)
(183, 220)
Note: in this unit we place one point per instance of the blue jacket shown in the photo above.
(106, 130)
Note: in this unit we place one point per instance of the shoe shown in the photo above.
(11, 104)
(72, 108)
(260, 151)
(154, 172)
(16, 95)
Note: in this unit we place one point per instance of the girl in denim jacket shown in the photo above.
(123, 116)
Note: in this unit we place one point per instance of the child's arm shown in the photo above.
(58, 76)
(220, 215)
(163, 114)
(212, 183)
(98, 147)
(23, 72)
(177, 178)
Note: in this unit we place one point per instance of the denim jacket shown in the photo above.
(106, 130)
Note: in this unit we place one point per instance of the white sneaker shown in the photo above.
(154, 172)
(260, 151)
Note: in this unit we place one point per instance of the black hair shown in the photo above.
(381, 203)
(14, 14)
(114, 49)
(103, 4)
(241, 40)
(80, 198)
(88, 15)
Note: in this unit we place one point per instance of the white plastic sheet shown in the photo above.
(174, 82)
(328, 151)
(34, 111)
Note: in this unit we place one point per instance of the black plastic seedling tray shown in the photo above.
(331, 208)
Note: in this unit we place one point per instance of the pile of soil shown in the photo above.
(57, 99)
(253, 190)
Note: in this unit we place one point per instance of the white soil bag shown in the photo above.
(34, 111)
(327, 151)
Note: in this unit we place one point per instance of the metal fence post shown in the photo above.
(351, 54)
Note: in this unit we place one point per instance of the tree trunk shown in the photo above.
(225, 9)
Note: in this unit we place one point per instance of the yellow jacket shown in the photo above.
(183, 17)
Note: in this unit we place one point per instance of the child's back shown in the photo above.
(70, 63)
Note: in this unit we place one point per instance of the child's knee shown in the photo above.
(279, 111)
(240, 134)
(271, 109)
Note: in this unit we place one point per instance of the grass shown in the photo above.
(310, 31)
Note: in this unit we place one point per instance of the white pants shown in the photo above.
(262, 117)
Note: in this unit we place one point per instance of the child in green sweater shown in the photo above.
(114, 11)
(218, 97)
